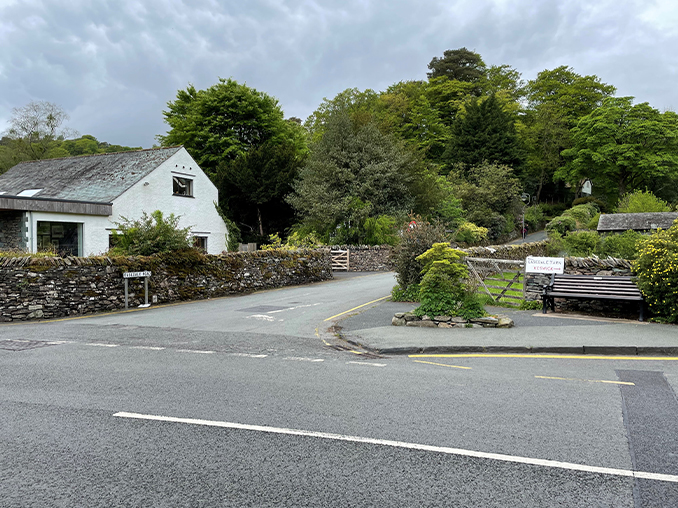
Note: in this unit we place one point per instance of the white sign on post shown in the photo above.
(134, 275)
(544, 265)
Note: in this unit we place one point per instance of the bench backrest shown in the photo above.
(594, 285)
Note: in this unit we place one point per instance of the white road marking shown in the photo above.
(411, 446)
(247, 355)
(301, 359)
(150, 348)
(194, 351)
(58, 342)
(101, 345)
(371, 364)
(261, 317)
(293, 308)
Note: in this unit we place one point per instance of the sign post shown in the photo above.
(136, 275)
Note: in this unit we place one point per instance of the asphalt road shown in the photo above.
(252, 401)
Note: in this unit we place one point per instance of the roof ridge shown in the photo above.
(101, 154)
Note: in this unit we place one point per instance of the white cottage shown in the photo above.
(72, 203)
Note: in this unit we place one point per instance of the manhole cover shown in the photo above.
(263, 308)
(22, 345)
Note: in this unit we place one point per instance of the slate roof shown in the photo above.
(93, 178)
(636, 221)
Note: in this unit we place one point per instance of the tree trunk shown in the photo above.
(261, 225)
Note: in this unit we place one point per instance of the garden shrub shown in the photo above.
(624, 245)
(593, 223)
(151, 234)
(581, 243)
(534, 217)
(657, 271)
(640, 201)
(600, 205)
(294, 242)
(415, 238)
(561, 225)
(582, 214)
(553, 209)
(470, 234)
(442, 289)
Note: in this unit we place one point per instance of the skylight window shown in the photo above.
(28, 193)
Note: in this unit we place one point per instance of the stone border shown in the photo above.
(411, 319)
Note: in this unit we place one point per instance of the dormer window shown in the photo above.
(182, 186)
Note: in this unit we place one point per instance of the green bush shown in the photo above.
(600, 205)
(582, 214)
(640, 201)
(151, 234)
(470, 234)
(561, 225)
(534, 217)
(624, 245)
(415, 238)
(593, 223)
(553, 209)
(657, 271)
(410, 294)
(581, 243)
(294, 242)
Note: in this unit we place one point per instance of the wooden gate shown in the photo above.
(340, 259)
(502, 279)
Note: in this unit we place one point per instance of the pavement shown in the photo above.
(534, 332)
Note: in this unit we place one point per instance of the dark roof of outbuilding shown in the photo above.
(636, 221)
(94, 178)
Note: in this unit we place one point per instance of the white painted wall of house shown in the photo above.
(154, 192)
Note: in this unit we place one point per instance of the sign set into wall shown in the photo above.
(134, 275)
(544, 265)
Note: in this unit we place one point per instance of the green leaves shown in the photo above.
(151, 234)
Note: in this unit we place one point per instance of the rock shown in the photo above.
(442, 319)
(422, 324)
(425, 318)
(457, 319)
(505, 322)
(410, 316)
(489, 320)
(446, 325)
(400, 315)
(396, 321)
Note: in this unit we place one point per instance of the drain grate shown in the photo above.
(22, 345)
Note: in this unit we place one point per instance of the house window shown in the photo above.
(200, 242)
(62, 237)
(182, 186)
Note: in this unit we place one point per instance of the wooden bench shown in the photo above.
(591, 287)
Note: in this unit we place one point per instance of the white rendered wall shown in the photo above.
(155, 192)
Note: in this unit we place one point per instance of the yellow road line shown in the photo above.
(587, 380)
(358, 307)
(541, 356)
(444, 365)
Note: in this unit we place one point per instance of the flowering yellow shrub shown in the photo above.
(657, 271)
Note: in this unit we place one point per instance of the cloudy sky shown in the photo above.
(114, 64)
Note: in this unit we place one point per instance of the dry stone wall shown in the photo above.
(35, 288)
(367, 258)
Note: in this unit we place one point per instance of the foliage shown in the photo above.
(582, 214)
(458, 64)
(561, 225)
(294, 242)
(534, 217)
(598, 203)
(409, 294)
(485, 133)
(148, 235)
(623, 245)
(553, 209)
(622, 147)
(356, 172)
(593, 223)
(471, 306)
(441, 289)
(581, 243)
(225, 121)
(640, 201)
(233, 236)
(359, 106)
(415, 238)
(470, 234)
(530, 305)
(657, 271)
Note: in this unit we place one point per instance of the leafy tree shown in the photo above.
(484, 133)
(358, 105)
(622, 147)
(150, 234)
(449, 96)
(224, 122)
(355, 172)
(254, 185)
(460, 64)
(504, 79)
(640, 201)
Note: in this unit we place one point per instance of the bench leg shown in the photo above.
(642, 312)
(545, 304)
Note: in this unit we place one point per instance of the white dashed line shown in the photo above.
(301, 359)
(247, 355)
(370, 364)
(412, 446)
(194, 351)
(150, 348)
(101, 345)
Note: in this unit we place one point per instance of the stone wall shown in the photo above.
(12, 230)
(367, 258)
(516, 252)
(34, 288)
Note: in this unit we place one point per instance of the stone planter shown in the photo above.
(410, 319)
